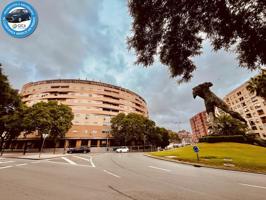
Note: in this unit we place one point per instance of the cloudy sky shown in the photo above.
(86, 39)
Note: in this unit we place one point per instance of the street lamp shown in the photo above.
(44, 137)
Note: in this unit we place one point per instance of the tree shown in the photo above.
(62, 117)
(164, 136)
(133, 128)
(10, 104)
(224, 124)
(48, 118)
(174, 137)
(175, 29)
(258, 84)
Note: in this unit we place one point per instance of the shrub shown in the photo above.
(225, 138)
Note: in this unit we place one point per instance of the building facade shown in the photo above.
(249, 106)
(199, 126)
(93, 105)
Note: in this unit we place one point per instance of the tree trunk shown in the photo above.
(54, 146)
(25, 147)
(40, 146)
(1, 146)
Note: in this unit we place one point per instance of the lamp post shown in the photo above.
(44, 137)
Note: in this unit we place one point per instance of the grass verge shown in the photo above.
(225, 155)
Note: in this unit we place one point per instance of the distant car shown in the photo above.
(79, 150)
(18, 15)
(122, 150)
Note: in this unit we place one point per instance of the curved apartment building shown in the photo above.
(93, 104)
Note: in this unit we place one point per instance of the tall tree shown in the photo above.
(164, 136)
(258, 84)
(62, 117)
(134, 128)
(175, 29)
(48, 118)
(10, 104)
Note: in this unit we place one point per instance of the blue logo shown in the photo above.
(19, 19)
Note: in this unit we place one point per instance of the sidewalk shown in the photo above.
(32, 156)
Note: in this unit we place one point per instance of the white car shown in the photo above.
(122, 150)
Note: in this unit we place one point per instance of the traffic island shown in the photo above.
(229, 156)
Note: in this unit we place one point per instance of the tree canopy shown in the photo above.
(138, 129)
(10, 111)
(48, 118)
(257, 84)
(175, 29)
(224, 124)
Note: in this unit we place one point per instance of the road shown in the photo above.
(129, 176)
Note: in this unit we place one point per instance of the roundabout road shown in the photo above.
(122, 176)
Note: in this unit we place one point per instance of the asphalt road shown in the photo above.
(122, 177)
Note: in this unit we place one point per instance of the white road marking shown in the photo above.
(89, 160)
(92, 164)
(167, 170)
(6, 167)
(21, 164)
(69, 161)
(111, 174)
(67, 164)
(255, 186)
(6, 162)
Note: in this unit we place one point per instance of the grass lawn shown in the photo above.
(243, 156)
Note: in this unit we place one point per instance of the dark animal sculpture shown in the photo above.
(212, 101)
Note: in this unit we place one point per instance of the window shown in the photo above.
(55, 86)
(248, 115)
(238, 94)
(263, 119)
(251, 123)
(260, 112)
(254, 128)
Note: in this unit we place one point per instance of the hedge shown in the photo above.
(224, 138)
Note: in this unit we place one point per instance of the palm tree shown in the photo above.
(224, 124)
(258, 84)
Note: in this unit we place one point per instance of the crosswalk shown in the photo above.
(70, 160)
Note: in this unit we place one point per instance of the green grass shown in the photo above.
(244, 156)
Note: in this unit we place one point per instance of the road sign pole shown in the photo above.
(196, 150)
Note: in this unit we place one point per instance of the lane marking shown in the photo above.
(89, 160)
(92, 164)
(6, 167)
(255, 186)
(167, 170)
(69, 161)
(7, 162)
(111, 174)
(21, 164)
(68, 164)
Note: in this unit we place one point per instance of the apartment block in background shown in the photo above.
(199, 126)
(250, 106)
(93, 105)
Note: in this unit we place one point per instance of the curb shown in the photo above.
(204, 165)
(17, 157)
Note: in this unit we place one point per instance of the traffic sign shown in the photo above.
(196, 149)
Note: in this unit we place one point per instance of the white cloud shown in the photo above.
(88, 40)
